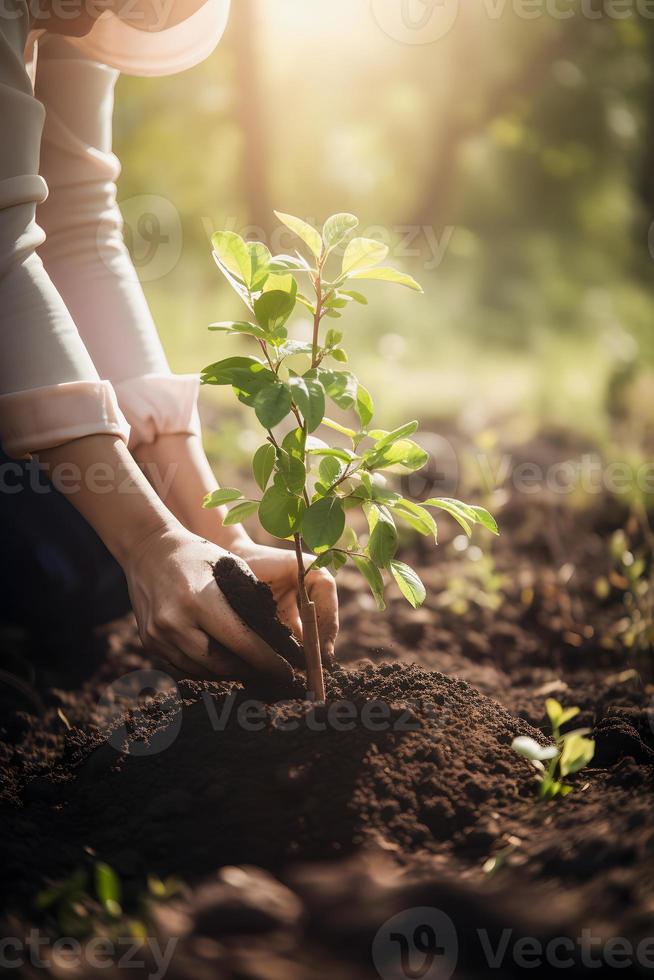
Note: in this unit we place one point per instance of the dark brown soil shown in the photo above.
(254, 603)
(341, 822)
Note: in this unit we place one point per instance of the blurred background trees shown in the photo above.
(509, 163)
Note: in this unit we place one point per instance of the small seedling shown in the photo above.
(308, 485)
(569, 753)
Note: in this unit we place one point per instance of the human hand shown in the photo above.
(178, 606)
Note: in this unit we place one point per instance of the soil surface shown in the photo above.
(311, 839)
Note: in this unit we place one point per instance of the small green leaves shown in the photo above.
(329, 470)
(309, 396)
(403, 453)
(386, 274)
(337, 228)
(247, 374)
(262, 464)
(239, 327)
(303, 230)
(464, 514)
(416, 517)
(340, 386)
(223, 496)
(365, 408)
(280, 514)
(272, 403)
(558, 715)
(233, 253)
(323, 523)
(386, 438)
(273, 308)
(409, 583)
(362, 253)
(577, 752)
(373, 577)
(107, 889)
(382, 543)
(291, 472)
(240, 512)
(259, 263)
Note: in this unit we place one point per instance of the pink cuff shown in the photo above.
(40, 418)
(159, 404)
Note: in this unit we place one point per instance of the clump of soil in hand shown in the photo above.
(253, 601)
(398, 757)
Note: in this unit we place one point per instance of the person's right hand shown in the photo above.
(178, 606)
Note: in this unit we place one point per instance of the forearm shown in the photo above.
(179, 471)
(101, 479)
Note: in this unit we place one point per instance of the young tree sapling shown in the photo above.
(308, 485)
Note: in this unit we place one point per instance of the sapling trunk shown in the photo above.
(310, 637)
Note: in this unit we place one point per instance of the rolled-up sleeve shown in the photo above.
(50, 391)
(84, 251)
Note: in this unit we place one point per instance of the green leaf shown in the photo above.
(239, 327)
(362, 253)
(223, 496)
(303, 230)
(409, 583)
(273, 308)
(262, 464)
(280, 513)
(233, 253)
(272, 404)
(107, 888)
(373, 577)
(382, 543)
(247, 374)
(577, 752)
(291, 472)
(529, 748)
(341, 386)
(456, 509)
(554, 711)
(485, 519)
(337, 427)
(240, 512)
(345, 454)
(416, 516)
(294, 443)
(338, 354)
(355, 295)
(389, 437)
(309, 396)
(337, 228)
(291, 347)
(259, 261)
(405, 453)
(330, 470)
(323, 523)
(288, 263)
(386, 274)
(365, 408)
(333, 337)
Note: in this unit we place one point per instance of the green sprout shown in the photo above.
(308, 485)
(569, 753)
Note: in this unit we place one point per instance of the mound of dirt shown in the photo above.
(398, 757)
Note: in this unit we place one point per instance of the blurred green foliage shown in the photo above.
(511, 162)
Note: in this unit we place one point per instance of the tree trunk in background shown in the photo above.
(250, 117)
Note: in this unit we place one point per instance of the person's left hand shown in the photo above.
(277, 567)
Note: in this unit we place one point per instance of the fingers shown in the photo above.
(289, 613)
(215, 616)
(321, 587)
